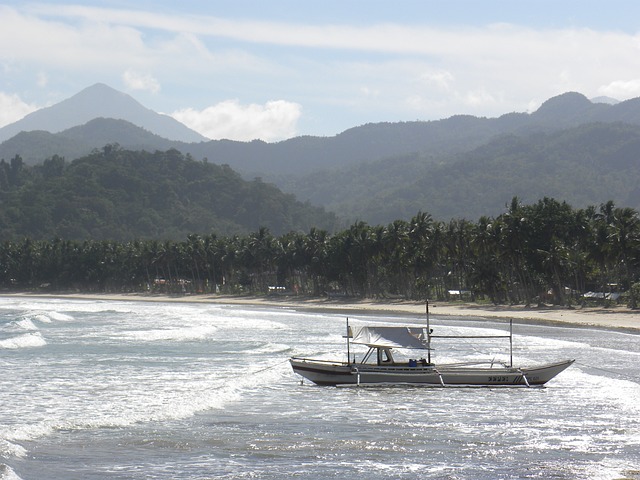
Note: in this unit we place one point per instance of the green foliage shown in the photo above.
(546, 252)
(120, 194)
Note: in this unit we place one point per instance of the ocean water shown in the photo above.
(145, 390)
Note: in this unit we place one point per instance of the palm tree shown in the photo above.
(486, 273)
(555, 262)
(395, 242)
(316, 254)
(351, 255)
(195, 251)
(514, 238)
(624, 238)
(259, 257)
(357, 249)
(230, 252)
(425, 247)
(211, 259)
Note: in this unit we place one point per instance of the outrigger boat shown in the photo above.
(378, 366)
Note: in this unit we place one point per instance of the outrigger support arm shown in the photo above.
(430, 336)
(524, 377)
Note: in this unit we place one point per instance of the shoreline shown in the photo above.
(613, 318)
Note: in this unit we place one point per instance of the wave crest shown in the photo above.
(173, 334)
(7, 473)
(23, 324)
(27, 340)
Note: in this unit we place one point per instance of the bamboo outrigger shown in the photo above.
(378, 366)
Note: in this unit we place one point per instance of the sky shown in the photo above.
(275, 69)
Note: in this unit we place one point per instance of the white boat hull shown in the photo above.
(335, 373)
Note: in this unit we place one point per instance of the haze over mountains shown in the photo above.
(571, 149)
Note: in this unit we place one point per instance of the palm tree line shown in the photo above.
(544, 252)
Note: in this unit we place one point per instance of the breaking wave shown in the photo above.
(23, 324)
(172, 334)
(7, 473)
(27, 340)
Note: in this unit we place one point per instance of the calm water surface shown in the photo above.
(136, 390)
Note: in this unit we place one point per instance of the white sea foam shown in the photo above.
(247, 323)
(47, 316)
(175, 334)
(271, 348)
(140, 404)
(236, 385)
(28, 340)
(60, 317)
(23, 324)
(10, 449)
(606, 389)
(7, 473)
(40, 317)
(32, 431)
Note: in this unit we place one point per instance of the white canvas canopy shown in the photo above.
(392, 337)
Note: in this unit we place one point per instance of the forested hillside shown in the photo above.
(584, 165)
(36, 146)
(121, 194)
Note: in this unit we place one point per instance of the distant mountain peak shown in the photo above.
(570, 100)
(606, 100)
(566, 109)
(101, 89)
(100, 100)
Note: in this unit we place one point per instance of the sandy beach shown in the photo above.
(616, 317)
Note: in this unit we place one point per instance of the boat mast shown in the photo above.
(347, 337)
(428, 334)
(511, 342)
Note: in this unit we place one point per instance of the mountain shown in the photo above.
(604, 99)
(296, 156)
(300, 156)
(585, 165)
(97, 101)
(568, 110)
(36, 146)
(384, 171)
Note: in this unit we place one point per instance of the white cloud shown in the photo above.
(138, 81)
(275, 120)
(30, 39)
(41, 37)
(621, 88)
(366, 72)
(42, 80)
(369, 92)
(502, 38)
(479, 98)
(441, 79)
(13, 109)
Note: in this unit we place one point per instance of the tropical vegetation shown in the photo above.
(542, 252)
(120, 194)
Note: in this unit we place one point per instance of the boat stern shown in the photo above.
(323, 372)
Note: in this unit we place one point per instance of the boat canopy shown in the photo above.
(398, 337)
